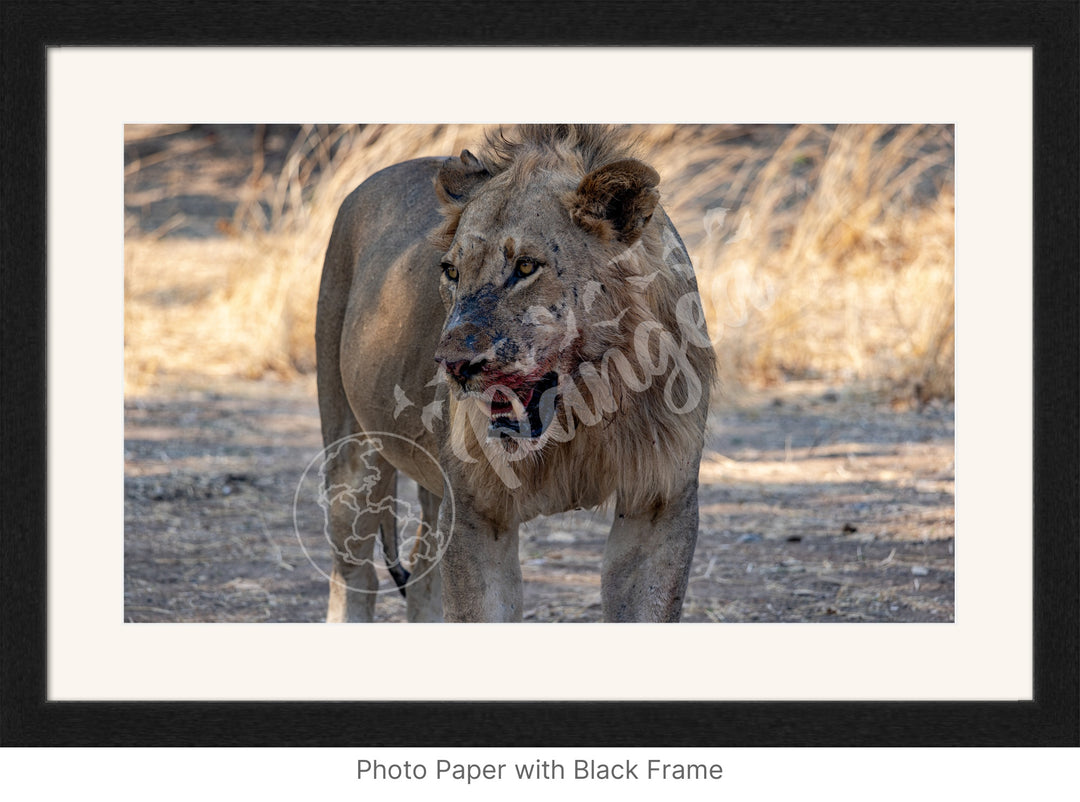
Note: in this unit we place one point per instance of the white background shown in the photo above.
(749, 775)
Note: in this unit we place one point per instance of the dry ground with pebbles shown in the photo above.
(817, 504)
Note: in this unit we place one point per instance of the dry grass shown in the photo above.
(820, 251)
(834, 257)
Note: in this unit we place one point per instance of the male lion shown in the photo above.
(531, 316)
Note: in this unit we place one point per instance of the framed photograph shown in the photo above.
(904, 551)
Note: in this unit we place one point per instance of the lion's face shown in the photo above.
(523, 281)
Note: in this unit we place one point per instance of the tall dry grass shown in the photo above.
(820, 251)
(833, 257)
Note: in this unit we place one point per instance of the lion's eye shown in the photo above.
(525, 267)
(450, 271)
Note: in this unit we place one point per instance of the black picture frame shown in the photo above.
(1052, 29)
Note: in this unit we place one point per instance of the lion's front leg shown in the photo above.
(481, 571)
(647, 559)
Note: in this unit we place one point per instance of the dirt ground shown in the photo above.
(817, 504)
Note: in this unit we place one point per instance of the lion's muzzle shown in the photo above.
(518, 405)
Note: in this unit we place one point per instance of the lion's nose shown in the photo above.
(463, 369)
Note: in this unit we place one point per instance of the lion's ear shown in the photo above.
(458, 177)
(616, 201)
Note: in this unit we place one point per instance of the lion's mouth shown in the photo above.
(525, 409)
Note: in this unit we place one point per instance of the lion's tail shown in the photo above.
(389, 541)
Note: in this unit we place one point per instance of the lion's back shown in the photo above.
(379, 310)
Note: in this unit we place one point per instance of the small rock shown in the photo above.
(749, 538)
(920, 570)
